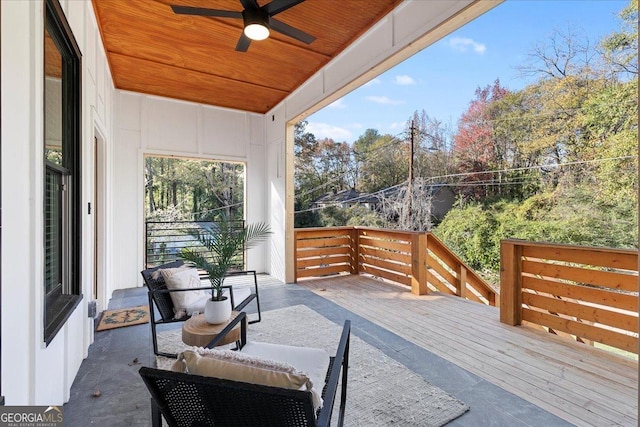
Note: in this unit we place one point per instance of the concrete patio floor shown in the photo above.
(111, 368)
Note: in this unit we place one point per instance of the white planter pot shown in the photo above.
(216, 312)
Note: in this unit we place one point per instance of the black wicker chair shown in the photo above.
(192, 400)
(160, 297)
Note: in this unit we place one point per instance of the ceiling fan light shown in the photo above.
(256, 31)
(255, 24)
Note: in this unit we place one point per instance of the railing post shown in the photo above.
(510, 283)
(295, 256)
(419, 264)
(355, 250)
(461, 285)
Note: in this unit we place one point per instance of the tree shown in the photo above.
(620, 48)
(474, 145)
(385, 165)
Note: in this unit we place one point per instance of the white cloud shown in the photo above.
(463, 44)
(383, 100)
(324, 130)
(397, 125)
(404, 80)
(339, 103)
(375, 81)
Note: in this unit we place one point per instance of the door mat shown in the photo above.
(111, 319)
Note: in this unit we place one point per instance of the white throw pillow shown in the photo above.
(184, 279)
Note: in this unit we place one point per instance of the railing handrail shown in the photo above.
(571, 247)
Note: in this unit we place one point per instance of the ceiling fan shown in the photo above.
(257, 20)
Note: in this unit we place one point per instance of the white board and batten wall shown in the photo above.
(33, 373)
(150, 125)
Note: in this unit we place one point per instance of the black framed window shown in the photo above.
(62, 172)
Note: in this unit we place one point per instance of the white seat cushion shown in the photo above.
(312, 361)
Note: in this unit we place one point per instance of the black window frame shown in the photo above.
(62, 301)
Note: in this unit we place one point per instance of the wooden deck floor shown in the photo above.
(579, 383)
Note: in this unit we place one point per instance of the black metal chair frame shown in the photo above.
(160, 297)
(187, 399)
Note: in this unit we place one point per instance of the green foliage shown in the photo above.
(333, 216)
(196, 189)
(566, 215)
(225, 243)
(361, 216)
(621, 47)
(471, 233)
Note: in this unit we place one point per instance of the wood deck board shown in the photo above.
(579, 383)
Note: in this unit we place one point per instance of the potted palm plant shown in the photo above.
(222, 244)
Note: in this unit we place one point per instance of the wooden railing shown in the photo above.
(415, 259)
(587, 293)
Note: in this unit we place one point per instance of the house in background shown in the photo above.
(346, 199)
(441, 195)
(122, 79)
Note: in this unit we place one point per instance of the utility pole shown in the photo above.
(410, 185)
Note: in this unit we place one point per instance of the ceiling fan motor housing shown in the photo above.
(256, 23)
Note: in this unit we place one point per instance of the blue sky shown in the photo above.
(442, 78)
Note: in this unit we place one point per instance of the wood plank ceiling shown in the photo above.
(154, 51)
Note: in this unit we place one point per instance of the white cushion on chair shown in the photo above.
(312, 361)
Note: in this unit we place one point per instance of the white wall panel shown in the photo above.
(91, 35)
(129, 110)
(18, 249)
(276, 190)
(170, 126)
(274, 124)
(225, 132)
(127, 177)
(101, 64)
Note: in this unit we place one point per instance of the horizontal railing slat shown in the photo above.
(609, 279)
(441, 270)
(394, 277)
(390, 255)
(323, 271)
(387, 265)
(612, 338)
(324, 242)
(624, 301)
(438, 284)
(386, 244)
(582, 312)
(602, 257)
(324, 261)
(316, 252)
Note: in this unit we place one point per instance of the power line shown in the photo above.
(472, 183)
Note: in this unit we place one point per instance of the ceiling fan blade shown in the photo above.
(277, 6)
(290, 31)
(200, 11)
(243, 43)
(250, 4)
